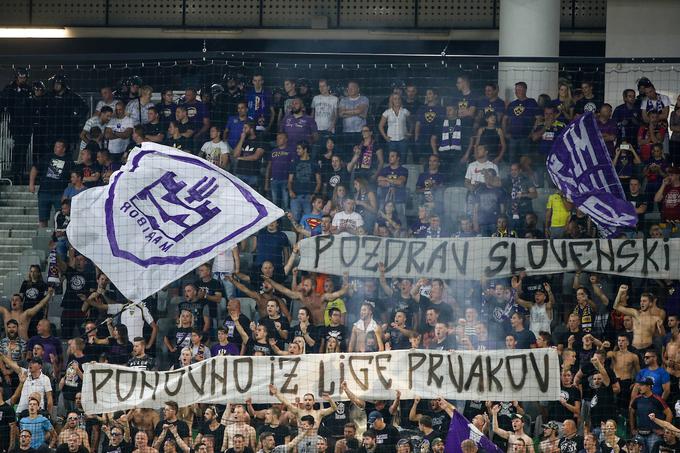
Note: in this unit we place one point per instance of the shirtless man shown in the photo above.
(645, 324)
(23, 317)
(517, 432)
(261, 298)
(361, 329)
(144, 420)
(237, 422)
(306, 294)
(307, 406)
(626, 365)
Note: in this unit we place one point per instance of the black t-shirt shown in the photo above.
(270, 325)
(387, 437)
(571, 445)
(254, 346)
(218, 434)
(179, 337)
(337, 332)
(334, 423)
(397, 339)
(211, 287)
(525, 338)
(312, 330)
(123, 447)
(440, 422)
(407, 305)
(180, 142)
(280, 433)
(182, 429)
(560, 413)
(246, 449)
(153, 129)
(602, 405)
(28, 450)
(55, 174)
(72, 382)
(332, 178)
(664, 447)
(250, 167)
(232, 333)
(33, 293)
(89, 170)
(63, 448)
(445, 310)
(119, 353)
(7, 416)
(145, 363)
(197, 309)
(448, 343)
(584, 105)
(77, 283)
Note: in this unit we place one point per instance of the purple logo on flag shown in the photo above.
(172, 214)
(159, 217)
(461, 429)
(580, 166)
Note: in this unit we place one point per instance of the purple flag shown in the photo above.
(461, 429)
(580, 166)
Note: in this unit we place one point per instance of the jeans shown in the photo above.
(47, 201)
(280, 193)
(517, 147)
(251, 180)
(401, 147)
(650, 440)
(301, 204)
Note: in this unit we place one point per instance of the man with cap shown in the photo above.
(638, 414)
(548, 441)
(386, 435)
(517, 429)
(437, 445)
(668, 444)
(36, 382)
(635, 444)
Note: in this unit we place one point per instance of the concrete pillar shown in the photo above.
(529, 28)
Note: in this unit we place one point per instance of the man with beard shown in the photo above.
(14, 99)
(236, 424)
(645, 324)
(363, 328)
(548, 441)
(308, 296)
(517, 429)
(570, 442)
(72, 429)
(307, 406)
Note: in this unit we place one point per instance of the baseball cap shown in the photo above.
(373, 416)
(552, 425)
(646, 381)
(636, 440)
(516, 416)
(437, 440)
(402, 442)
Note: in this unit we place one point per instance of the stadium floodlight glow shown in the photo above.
(17, 32)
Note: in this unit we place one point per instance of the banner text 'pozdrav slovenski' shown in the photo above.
(525, 375)
(473, 258)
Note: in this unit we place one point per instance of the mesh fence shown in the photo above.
(383, 149)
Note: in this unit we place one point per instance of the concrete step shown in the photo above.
(4, 249)
(20, 218)
(17, 195)
(18, 210)
(19, 202)
(9, 257)
(26, 242)
(22, 234)
(13, 188)
(19, 226)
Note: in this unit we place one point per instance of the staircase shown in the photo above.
(18, 227)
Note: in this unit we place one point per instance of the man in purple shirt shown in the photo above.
(198, 115)
(430, 185)
(490, 103)
(298, 125)
(607, 127)
(392, 185)
(260, 105)
(518, 121)
(279, 164)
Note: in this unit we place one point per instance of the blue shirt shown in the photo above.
(38, 427)
(235, 126)
(270, 247)
(259, 105)
(660, 376)
(521, 116)
(312, 223)
(392, 174)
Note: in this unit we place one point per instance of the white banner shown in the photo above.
(525, 375)
(472, 258)
(163, 214)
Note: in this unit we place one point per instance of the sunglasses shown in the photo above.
(72, 418)
(116, 434)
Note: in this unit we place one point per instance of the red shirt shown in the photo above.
(670, 205)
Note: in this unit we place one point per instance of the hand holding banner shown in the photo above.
(580, 166)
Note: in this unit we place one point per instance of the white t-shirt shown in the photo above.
(655, 105)
(325, 111)
(474, 171)
(133, 111)
(42, 385)
(397, 124)
(89, 124)
(224, 262)
(345, 221)
(118, 145)
(213, 151)
(101, 104)
(134, 317)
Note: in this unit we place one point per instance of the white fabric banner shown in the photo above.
(163, 214)
(472, 258)
(524, 375)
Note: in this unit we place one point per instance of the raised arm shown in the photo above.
(623, 289)
(352, 397)
(412, 413)
(243, 288)
(283, 290)
(274, 391)
(329, 410)
(383, 281)
(31, 312)
(497, 429)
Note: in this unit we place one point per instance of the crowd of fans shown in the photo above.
(335, 162)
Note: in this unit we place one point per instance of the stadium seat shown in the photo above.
(454, 203)
(248, 307)
(31, 257)
(414, 170)
(539, 204)
(292, 237)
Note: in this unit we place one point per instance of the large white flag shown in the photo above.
(163, 214)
